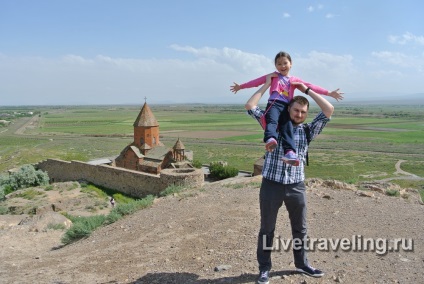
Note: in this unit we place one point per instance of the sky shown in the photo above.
(85, 52)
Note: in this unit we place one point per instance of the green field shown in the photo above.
(361, 142)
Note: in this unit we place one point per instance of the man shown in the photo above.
(284, 183)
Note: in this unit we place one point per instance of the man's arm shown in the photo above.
(255, 98)
(326, 107)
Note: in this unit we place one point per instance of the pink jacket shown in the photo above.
(276, 90)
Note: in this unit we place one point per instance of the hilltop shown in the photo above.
(208, 235)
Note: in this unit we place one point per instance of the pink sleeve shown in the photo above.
(254, 83)
(316, 89)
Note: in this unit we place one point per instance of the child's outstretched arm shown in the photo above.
(326, 107)
(253, 83)
(336, 94)
(255, 98)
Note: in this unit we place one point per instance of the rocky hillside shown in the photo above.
(208, 235)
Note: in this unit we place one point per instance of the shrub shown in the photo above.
(25, 177)
(29, 194)
(219, 171)
(197, 164)
(3, 210)
(129, 208)
(422, 194)
(2, 194)
(122, 199)
(49, 187)
(83, 226)
(392, 192)
(5, 188)
(112, 217)
(171, 190)
(56, 226)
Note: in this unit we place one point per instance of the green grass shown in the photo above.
(359, 141)
(82, 227)
(393, 192)
(56, 226)
(93, 190)
(171, 190)
(421, 191)
(29, 194)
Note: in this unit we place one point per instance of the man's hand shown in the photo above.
(300, 86)
(269, 78)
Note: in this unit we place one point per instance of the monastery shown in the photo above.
(146, 153)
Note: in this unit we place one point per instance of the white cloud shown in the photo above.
(327, 70)
(74, 79)
(400, 59)
(318, 7)
(246, 62)
(406, 38)
(312, 9)
(286, 15)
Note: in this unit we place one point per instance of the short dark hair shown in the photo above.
(300, 100)
(282, 54)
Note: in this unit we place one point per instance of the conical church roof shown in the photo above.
(145, 117)
(179, 145)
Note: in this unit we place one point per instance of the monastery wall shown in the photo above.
(133, 183)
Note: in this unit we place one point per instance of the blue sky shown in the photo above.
(190, 51)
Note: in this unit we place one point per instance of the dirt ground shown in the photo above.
(209, 235)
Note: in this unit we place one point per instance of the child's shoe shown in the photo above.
(271, 144)
(291, 158)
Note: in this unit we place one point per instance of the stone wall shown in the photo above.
(133, 183)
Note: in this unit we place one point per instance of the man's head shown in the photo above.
(298, 109)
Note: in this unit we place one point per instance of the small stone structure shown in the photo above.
(258, 165)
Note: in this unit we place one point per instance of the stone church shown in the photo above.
(146, 153)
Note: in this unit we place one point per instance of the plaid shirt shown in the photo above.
(274, 168)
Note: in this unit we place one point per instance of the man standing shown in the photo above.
(284, 183)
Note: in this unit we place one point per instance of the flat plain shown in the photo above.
(361, 142)
(189, 237)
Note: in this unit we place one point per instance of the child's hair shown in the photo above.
(300, 100)
(282, 54)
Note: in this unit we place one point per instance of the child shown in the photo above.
(276, 115)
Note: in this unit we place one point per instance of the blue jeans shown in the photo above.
(271, 197)
(278, 120)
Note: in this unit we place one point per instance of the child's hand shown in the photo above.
(235, 88)
(336, 94)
